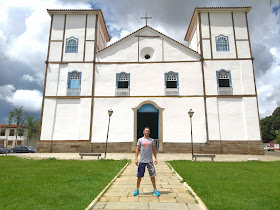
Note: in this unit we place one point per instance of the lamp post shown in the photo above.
(110, 112)
(191, 112)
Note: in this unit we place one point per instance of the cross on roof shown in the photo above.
(146, 18)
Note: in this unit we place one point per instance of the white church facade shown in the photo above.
(150, 80)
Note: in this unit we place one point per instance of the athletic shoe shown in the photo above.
(156, 193)
(136, 192)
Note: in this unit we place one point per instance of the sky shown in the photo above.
(24, 32)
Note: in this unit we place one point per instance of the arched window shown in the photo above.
(71, 45)
(223, 78)
(171, 80)
(123, 80)
(222, 43)
(74, 83)
(74, 79)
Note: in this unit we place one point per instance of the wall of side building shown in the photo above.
(8, 135)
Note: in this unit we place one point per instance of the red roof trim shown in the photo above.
(10, 126)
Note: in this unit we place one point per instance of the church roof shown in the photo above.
(83, 11)
(211, 9)
(146, 26)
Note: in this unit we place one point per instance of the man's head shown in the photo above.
(146, 132)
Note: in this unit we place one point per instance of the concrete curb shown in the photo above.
(93, 203)
(200, 202)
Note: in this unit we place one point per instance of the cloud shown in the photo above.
(31, 100)
(6, 91)
(28, 78)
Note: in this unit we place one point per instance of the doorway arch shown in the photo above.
(148, 107)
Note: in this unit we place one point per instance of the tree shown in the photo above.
(267, 134)
(276, 112)
(270, 125)
(32, 125)
(17, 116)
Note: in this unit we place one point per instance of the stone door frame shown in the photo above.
(135, 109)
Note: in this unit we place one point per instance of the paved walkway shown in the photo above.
(173, 193)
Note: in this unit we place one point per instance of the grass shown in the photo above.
(233, 185)
(53, 184)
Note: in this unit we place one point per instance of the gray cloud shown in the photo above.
(263, 59)
(16, 15)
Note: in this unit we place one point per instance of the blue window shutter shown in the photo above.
(71, 45)
(68, 83)
(128, 74)
(177, 74)
(74, 83)
(117, 78)
(230, 79)
(217, 76)
(165, 77)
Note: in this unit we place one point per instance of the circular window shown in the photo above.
(147, 53)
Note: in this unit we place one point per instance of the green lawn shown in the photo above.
(53, 184)
(233, 185)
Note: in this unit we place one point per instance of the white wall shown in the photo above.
(241, 75)
(233, 119)
(221, 23)
(251, 118)
(57, 27)
(66, 119)
(164, 49)
(57, 78)
(55, 51)
(176, 122)
(102, 43)
(125, 52)
(195, 37)
(147, 77)
(75, 26)
(91, 20)
(48, 119)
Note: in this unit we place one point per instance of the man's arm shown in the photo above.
(155, 153)
(136, 154)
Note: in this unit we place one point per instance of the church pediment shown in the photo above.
(147, 45)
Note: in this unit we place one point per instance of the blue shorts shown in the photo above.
(142, 167)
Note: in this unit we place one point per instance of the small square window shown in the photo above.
(171, 84)
(3, 132)
(224, 83)
(12, 132)
(122, 84)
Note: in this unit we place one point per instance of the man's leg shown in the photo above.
(140, 174)
(153, 179)
(152, 172)
(138, 182)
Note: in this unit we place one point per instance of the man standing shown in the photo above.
(147, 147)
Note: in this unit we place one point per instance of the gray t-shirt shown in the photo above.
(146, 149)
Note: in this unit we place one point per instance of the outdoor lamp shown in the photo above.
(191, 112)
(110, 112)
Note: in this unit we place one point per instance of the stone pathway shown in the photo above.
(173, 194)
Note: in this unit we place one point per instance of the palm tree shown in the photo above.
(17, 116)
(32, 126)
